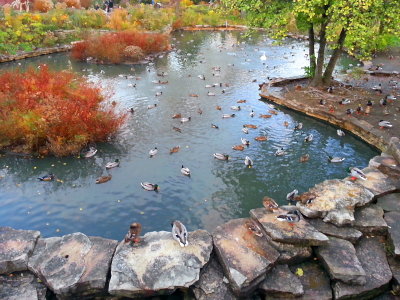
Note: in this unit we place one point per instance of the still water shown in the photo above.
(217, 190)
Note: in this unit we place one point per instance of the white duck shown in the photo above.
(340, 132)
(185, 171)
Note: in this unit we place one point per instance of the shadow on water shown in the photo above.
(217, 190)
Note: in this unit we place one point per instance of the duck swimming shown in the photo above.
(235, 108)
(218, 107)
(270, 204)
(214, 126)
(174, 149)
(177, 129)
(238, 147)
(221, 156)
(265, 116)
(245, 142)
(49, 177)
(179, 233)
(248, 162)
(298, 126)
(184, 120)
(151, 106)
(113, 164)
(309, 138)
(280, 152)
(185, 171)
(226, 116)
(304, 158)
(176, 116)
(241, 101)
(335, 159)
(103, 179)
(261, 138)
(340, 132)
(245, 130)
(149, 186)
(250, 126)
(153, 152)
(252, 113)
(92, 152)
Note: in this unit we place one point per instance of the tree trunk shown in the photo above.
(334, 58)
(311, 49)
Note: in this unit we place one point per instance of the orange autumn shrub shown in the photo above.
(73, 3)
(52, 112)
(43, 5)
(119, 19)
(86, 3)
(116, 43)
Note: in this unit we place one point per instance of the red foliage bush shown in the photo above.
(73, 3)
(116, 43)
(42, 5)
(52, 111)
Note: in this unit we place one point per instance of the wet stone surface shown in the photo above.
(377, 182)
(15, 248)
(371, 253)
(158, 265)
(244, 256)
(393, 221)
(369, 220)
(301, 233)
(340, 260)
(21, 286)
(347, 232)
(280, 282)
(390, 202)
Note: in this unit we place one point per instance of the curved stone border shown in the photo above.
(34, 53)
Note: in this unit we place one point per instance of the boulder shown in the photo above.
(371, 253)
(301, 233)
(280, 282)
(393, 221)
(347, 233)
(315, 281)
(158, 265)
(212, 285)
(336, 200)
(244, 256)
(15, 248)
(390, 202)
(387, 165)
(73, 265)
(369, 220)
(21, 286)
(291, 254)
(394, 264)
(394, 148)
(377, 182)
(340, 260)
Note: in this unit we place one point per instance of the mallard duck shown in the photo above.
(92, 152)
(151, 106)
(131, 110)
(177, 129)
(330, 89)
(322, 102)
(290, 196)
(356, 173)
(218, 107)
(199, 111)
(335, 159)
(149, 186)
(345, 101)
(265, 116)
(214, 126)
(221, 156)
(384, 124)
(280, 152)
(309, 138)
(340, 132)
(253, 228)
(49, 177)
(153, 152)
(226, 116)
(184, 120)
(286, 124)
(113, 164)
(210, 94)
(383, 102)
(176, 116)
(252, 113)
(245, 142)
(202, 77)
(185, 171)
(174, 149)
(179, 233)
(274, 112)
(250, 126)
(193, 95)
(133, 235)
(291, 217)
(261, 138)
(235, 108)
(207, 86)
(305, 198)
(103, 179)
(158, 94)
(270, 204)
(377, 88)
(245, 130)
(298, 126)
(248, 162)
(241, 101)
(238, 147)
(304, 158)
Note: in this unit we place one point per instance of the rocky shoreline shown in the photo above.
(346, 245)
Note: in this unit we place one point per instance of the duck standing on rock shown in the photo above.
(384, 124)
(133, 235)
(179, 233)
(290, 217)
(356, 173)
(270, 204)
(290, 196)
(253, 228)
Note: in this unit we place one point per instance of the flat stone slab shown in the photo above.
(302, 233)
(15, 248)
(158, 265)
(387, 165)
(315, 281)
(73, 265)
(393, 221)
(377, 182)
(21, 286)
(346, 233)
(394, 264)
(390, 202)
(394, 148)
(291, 254)
(340, 260)
(244, 256)
(335, 201)
(280, 282)
(369, 220)
(212, 285)
(372, 255)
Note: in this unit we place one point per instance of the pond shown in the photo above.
(217, 190)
